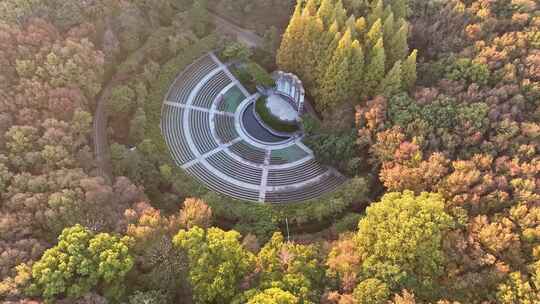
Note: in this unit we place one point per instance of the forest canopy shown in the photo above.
(430, 108)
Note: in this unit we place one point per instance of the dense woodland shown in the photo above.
(431, 107)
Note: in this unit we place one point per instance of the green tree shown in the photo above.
(291, 267)
(81, 261)
(409, 71)
(290, 49)
(377, 11)
(400, 8)
(273, 296)
(199, 15)
(371, 291)
(313, 45)
(122, 101)
(236, 51)
(217, 263)
(327, 12)
(398, 47)
(343, 73)
(375, 33)
(400, 240)
(137, 126)
(388, 28)
(375, 68)
(271, 40)
(392, 83)
(516, 291)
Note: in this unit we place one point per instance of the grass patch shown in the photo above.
(272, 121)
(232, 99)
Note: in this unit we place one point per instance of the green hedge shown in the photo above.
(263, 219)
(272, 121)
(259, 75)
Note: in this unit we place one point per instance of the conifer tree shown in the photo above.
(361, 27)
(327, 12)
(333, 36)
(388, 28)
(375, 68)
(351, 25)
(357, 70)
(290, 48)
(400, 8)
(313, 45)
(377, 11)
(387, 12)
(409, 71)
(340, 14)
(311, 7)
(337, 83)
(375, 33)
(392, 81)
(398, 48)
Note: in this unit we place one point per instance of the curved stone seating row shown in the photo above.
(219, 170)
(248, 152)
(171, 123)
(209, 91)
(231, 167)
(225, 129)
(189, 78)
(199, 124)
(303, 172)
(217, 184)
(314, 190)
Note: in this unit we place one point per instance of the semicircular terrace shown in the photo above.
(201, 124)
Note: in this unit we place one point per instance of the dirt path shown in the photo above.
(101, 145)
(243, 35)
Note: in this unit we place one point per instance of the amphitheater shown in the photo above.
(202, 122)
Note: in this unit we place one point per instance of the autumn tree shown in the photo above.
(195, 213)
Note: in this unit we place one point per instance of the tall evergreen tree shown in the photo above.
(290, 49)
(392, 81)
(313, 44)
(351, 25)
(332, 37)
(340, 13)
(361, 27)
(409, 71)
(400, 8)
(375, 68)
(398, 48)
(337, 82)
(327, 12)
(311, 7)
(375, 33)
(377, 11)
(389, 26)
(357, 70)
